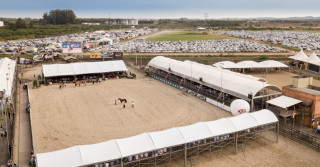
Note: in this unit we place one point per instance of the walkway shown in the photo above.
(25, 139)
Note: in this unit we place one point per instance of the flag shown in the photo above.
(312, 120)
(294, 111)
(286, 110)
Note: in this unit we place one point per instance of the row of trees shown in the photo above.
(59, 17)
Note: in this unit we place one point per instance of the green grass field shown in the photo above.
(186, 36)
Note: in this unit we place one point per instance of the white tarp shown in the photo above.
(215, 127)
(146, 142)
(284, 101)
(312, 59)
(300, 56)
(69, 157)
(54, 70)
(195, 132)
(244, 121)
(272, 64)
(249, 64)
(7, 66)
(227, 64)
(135, 144)
(226, 79)
(264, 117)
(94, 153)
(167, 138)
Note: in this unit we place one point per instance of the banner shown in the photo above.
(71, 47)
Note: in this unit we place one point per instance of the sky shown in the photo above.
(164, 8)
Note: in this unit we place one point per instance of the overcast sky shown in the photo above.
(164, 8)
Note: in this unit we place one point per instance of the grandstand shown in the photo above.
(215, 85)
(159, 148)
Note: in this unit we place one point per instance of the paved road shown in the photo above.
(25, 140)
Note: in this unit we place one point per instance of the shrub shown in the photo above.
(133, 75)
(35, 83)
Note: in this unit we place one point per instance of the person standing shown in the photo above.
(124, 106)
(132, 104)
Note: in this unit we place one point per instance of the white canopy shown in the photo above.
(146, 142)
(231, 82)
(244, 121)
(215, 127)
(99, 152)
(64, 158)
(54, 70)
(7, 66)
(227, 64)
(300, 56)
(167, 138)
(284, 101)
(249, 64)
(312, 59)
(135, 144)
(272, 64)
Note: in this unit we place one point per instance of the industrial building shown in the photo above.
(122, 22)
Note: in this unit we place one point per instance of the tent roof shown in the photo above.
(215, 127)
(4, 84)
(95, 153)
(62, 158)
(284, 101)
(227, 64)
(244, 121)
(264, 117)
(195, 132)
(54, 70)
(300, 56)
(312, 59)
(272, 64)
(167, 138)
(249, 64)
(135, 145)
(239, 85)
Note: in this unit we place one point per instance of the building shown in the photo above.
(122, 22)
(91, 24)
(301, 88)
(1, 24)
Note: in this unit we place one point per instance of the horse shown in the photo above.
(77, 83)
(122, 100)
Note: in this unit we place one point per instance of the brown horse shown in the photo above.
(122, 100)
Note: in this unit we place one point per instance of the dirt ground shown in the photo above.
(87, 115)
(279, 78)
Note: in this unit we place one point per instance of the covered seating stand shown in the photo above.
(159, 148)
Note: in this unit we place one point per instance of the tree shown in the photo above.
(20, 23)
(59, 16)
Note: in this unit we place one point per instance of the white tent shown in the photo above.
(227, 64)
(300, 56)
(272, 64)
(146, 142)
(55, 70)
(284, 101)
(312, 59)
(7, 70)
(94, 153)
(249, 64)
(64, 158)
(225, 79)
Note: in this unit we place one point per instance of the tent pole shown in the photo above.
(185, 155)
(235, 142)
(277, 132)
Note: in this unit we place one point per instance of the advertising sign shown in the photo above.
(71, 47)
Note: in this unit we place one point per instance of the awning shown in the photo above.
(284, 101)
